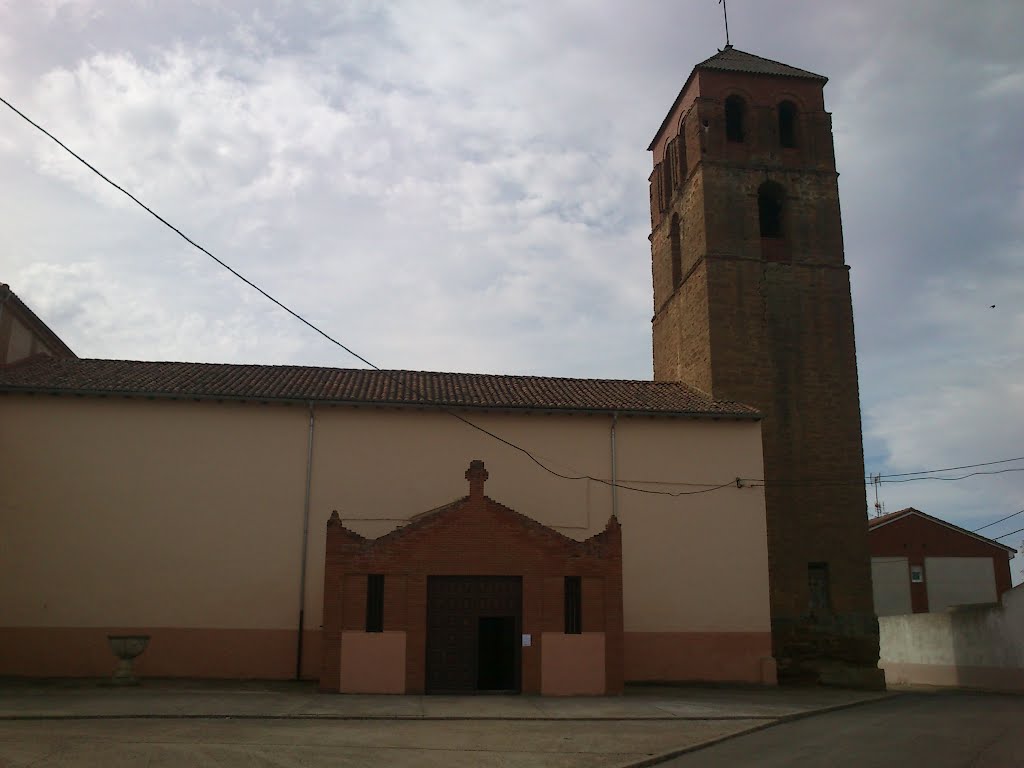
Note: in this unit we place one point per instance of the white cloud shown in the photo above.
(463, 186)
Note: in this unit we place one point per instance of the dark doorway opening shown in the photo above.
(496, 654)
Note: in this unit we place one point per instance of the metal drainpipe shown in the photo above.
(615, 487)
(305, 548)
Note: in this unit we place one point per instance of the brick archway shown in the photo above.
(376, 598)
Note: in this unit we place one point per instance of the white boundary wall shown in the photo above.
(976, 646)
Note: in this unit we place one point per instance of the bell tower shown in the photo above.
(752, 303)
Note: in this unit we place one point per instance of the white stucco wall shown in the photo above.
(130, 512)
(977, 646)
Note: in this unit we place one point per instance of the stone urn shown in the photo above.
(126, 648)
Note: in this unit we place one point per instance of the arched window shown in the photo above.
(735, 111)
(676, 246)
(770, 209)
(684, 160)
(787, 124)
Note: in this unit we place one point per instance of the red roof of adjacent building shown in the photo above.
(359, 386)
(891, 517)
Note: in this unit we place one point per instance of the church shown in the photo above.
(422, 532)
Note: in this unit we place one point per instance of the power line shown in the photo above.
(962, 477)
(761, 483)
(954, 469)
(705, 487)
(1001, 519)
(1010, 534)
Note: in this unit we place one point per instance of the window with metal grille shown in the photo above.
(375, 602)
(819, 588)
(573, 605)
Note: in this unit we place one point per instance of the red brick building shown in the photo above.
(752, 302)
(922, 564)
(473, 596)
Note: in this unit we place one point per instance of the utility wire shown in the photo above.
(760, 483)
(962, 477)
(1019, 530)
(1001, 519)
(705, 487)
(954, 469)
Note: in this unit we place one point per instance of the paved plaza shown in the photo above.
(179, 723)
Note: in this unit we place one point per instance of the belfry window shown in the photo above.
(735, 111)
(819, 589)
(787, 124)
(676, 247)
(770, 209)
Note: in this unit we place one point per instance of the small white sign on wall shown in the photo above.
(527, 641)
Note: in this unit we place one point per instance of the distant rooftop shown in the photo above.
(9, 299)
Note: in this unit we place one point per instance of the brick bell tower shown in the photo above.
(752, 303)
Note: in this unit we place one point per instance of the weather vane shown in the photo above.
(725, 13)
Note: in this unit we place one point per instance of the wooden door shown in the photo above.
(455, 607)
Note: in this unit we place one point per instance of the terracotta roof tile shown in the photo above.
(346, 385)
(732, 59)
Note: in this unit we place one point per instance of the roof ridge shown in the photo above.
(302, 366)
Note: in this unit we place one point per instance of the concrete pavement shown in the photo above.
(939, 729)
(79, 723)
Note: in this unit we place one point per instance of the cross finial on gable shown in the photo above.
(477, 475)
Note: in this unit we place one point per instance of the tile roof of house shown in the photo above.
(891, 517)
(9, 298)
(731, 59)
(359, 386)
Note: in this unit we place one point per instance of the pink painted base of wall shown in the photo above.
(737, 657)
(946, 676)
(372, 662)
(256, 654)
(572, 665)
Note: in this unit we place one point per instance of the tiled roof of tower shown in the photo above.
(732, 59)
(358, 386)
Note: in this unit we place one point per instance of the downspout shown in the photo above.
(615, 487)
(305, 548)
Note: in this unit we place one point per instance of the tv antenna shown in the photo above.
(725, 13)
(876, 480)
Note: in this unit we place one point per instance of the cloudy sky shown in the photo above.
(462, 186)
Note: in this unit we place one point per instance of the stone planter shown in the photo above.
(126, 648)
